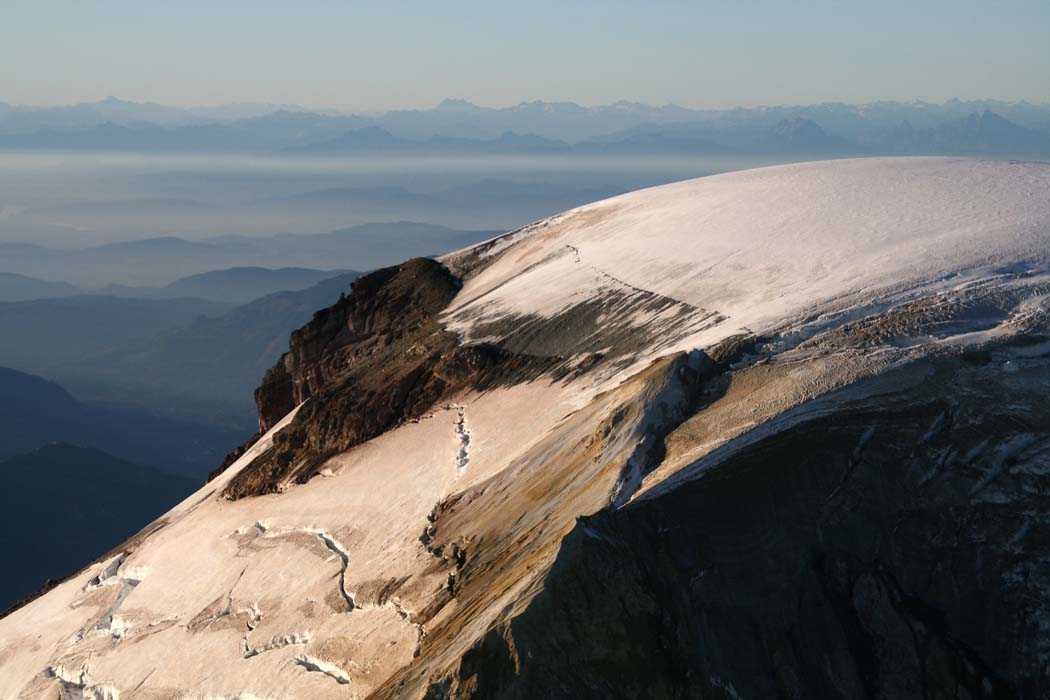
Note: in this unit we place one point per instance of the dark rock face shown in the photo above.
(895, 548)
(383, 308)
(373, 359)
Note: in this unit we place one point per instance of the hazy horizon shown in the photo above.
(274, 105)
(372, 57)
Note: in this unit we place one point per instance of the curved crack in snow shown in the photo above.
(337, 548)
(330, 543)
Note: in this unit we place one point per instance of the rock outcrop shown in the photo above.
(376, 358)
(384, 309)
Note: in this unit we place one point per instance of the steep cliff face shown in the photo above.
(372, 360)
(774, 434)
(338, 347)
(382, 309)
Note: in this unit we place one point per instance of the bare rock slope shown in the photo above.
(780, 433)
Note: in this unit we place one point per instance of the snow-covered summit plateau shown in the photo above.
(763, 246)
(775, 433)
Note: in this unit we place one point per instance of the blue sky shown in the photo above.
(399, 53)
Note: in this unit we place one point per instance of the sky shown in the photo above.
(372, 56)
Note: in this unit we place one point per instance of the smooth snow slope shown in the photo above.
(762, 246)
(329, 589)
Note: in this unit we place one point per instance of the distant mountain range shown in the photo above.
(145, 363)
(156, 267)
(236, 285)
(457, 127)
(37, 334)
(37, 412)
(210, 364)
(16, 287)
(375, 140)
(18, 118)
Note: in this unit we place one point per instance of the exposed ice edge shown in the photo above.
(653, 421)
(76, 686)
(824, 404)
(112, 575)
(315, 665)
(791, 334)
(277, 642)
(108, 575)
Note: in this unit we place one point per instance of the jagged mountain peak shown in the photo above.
(701, 440)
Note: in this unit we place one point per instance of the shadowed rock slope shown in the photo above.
(894, 548)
